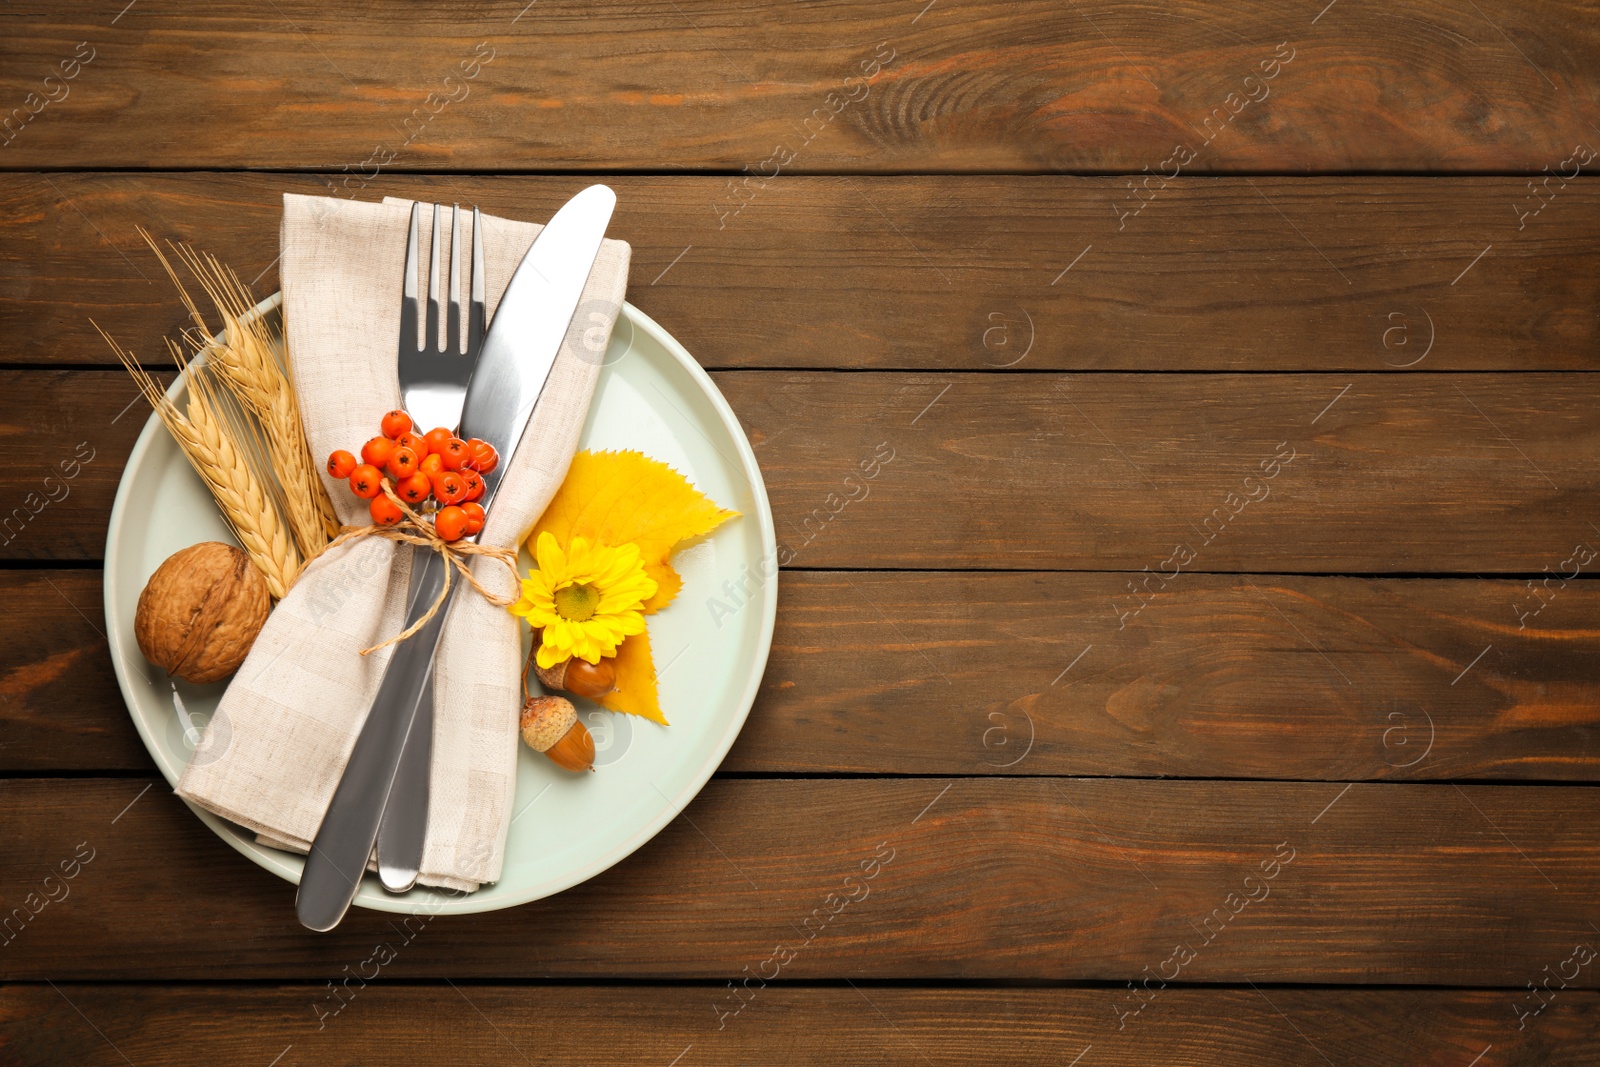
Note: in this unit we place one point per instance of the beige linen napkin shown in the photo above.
(274, 752)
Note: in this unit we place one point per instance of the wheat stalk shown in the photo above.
(246, 362)
(254, 374)
(214, 448)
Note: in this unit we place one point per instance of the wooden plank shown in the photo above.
(1038, 879)
(62, 709)
(69, 434)
(1368, 473)
(512, 1025)
(1030, 674)
(1030, 86)
(918, 673)
(1478, 473)
(966, 273)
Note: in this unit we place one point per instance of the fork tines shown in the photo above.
(455, 342)
(434, 375)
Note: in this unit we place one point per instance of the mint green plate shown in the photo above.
(566, 828)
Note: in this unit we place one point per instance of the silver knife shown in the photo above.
(523, 342)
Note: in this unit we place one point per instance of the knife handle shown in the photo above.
(338, 857)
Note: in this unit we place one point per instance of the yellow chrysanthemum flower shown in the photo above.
(586, 599)
(627, 498)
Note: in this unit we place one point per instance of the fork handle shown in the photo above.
(344, 842)
(404, 830)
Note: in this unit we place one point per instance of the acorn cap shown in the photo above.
(546, 720)
(552, 677)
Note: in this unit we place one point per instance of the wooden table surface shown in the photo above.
(1211, 676)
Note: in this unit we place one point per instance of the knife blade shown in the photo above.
(519, 352)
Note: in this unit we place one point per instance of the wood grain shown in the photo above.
(1012, 552)
(69, 434)
(870, 1025)
(1032, 86)
(1421, 473)
(914, 673)
(1019, 879)
(1478, 473)
(1272, 677)
(969, 273)
(61, 706)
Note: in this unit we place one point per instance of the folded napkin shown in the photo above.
(273, 754)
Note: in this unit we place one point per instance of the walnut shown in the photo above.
(201, 611)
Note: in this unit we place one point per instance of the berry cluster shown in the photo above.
(437, 465)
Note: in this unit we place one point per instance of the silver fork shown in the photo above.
(433, 382)
(433, 377)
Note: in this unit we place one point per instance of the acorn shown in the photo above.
(580, 677)
(550, 725)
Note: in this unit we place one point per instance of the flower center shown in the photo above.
(577, 602)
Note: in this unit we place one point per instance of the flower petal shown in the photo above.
(617, 574)
(552, 561)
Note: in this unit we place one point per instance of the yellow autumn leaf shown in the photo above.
(619, 498)
(615, 498)
(636, 681)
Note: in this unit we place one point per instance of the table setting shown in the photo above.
(702, 534)
(275, 756)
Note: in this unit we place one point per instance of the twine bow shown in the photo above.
(413, 529)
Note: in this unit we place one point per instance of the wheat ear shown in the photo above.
(251, 369)
(246, 362)
(212, 447)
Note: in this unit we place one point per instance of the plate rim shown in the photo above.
(288, 865)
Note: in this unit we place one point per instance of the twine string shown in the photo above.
(413, 529)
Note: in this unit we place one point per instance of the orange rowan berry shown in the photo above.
(396, 423)
(366, 481)
(402, 463)
(385, 512)
(449, 488)
(341, 463)
(484, 457)
(454, 454)
(415, 489)
(450, 523)
(377, 451)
